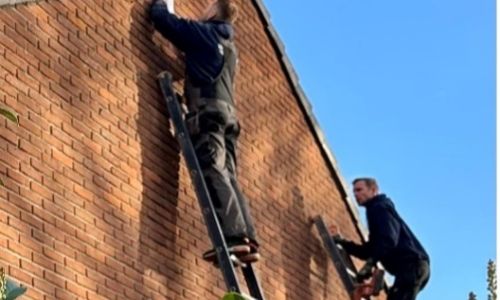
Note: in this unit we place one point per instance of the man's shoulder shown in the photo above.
(381, 202)
(223, 29)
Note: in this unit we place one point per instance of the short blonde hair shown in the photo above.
(228, 11)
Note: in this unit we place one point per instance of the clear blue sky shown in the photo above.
(405, 92)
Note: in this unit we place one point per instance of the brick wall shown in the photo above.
(98, 203)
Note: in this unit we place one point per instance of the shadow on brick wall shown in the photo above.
(160, 156)
(297, 267)
(305, 269)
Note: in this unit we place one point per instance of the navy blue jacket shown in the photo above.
(390, 240)
(200, 41)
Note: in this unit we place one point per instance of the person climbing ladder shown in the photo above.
(211, 61)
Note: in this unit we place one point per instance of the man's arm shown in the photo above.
(360, 251)
(187, 35)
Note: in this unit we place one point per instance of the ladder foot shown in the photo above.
(250, 258)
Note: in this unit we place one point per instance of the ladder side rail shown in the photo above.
(207, 208)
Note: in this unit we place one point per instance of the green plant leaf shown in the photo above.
(14, 290)
(3, 285)
(9, 114)
(236, 296)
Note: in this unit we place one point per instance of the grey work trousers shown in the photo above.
(214, 131)
(410, 282)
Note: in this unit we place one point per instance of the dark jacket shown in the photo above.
(200, 41)
(390, 240)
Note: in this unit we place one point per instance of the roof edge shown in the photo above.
(306, 107)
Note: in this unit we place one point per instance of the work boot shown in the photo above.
(236, 250)
(249, 258)
(253, 256)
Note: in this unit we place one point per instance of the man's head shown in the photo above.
(364, 189)
(221, 10)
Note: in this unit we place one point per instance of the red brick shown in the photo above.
(52, 185)
(31, 172)
(74, 176)
(61, 157)
(46, 70)
(39, 189)
(30, 149)
(86, 282)
(77, 289)
(14, 206)
(31, 268)
(55, 279)
(15, 59)
(57, 234)
(9, 258)
(27, 241)
(19, 249)
(41, 260)
(44, 286)
(42, 237)
(21, 226)
(53, 255)
(66, 272)
(20, 275)
(62, 294)
(24, 77)
(6, 64)
(32, 293)
(106, 293)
